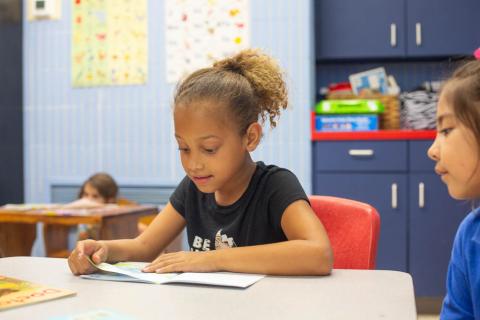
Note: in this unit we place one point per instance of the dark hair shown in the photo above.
(250, 84)
(462, 92)
(103, 183)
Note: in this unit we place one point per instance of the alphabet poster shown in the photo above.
(109, 42)
(199, 32)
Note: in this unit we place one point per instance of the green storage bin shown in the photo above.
(351, 106)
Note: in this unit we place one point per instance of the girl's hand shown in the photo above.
(183, 261)
(78, 259)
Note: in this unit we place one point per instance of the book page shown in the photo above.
(227, 279)
(132, 271)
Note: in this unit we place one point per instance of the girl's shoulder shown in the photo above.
(473, 218)
(469, 228)
(272, 169)
(273, 178)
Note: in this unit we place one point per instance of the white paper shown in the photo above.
(132, 271)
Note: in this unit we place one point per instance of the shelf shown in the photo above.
(372, 135)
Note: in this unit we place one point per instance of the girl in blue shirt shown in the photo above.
(456, 150)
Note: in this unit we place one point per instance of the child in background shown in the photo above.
(456, 151)
(100, 187)
(96, 191)
(241, 215)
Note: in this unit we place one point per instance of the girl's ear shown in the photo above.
(253, 136)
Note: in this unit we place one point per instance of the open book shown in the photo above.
(132, 271)
(16, 292)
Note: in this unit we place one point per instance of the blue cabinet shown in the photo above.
(433, 220)
(356, 29)
(395, 28)
(418, 217)
(442, 27)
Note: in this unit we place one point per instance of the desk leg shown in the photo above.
(123, 227)
(16, 239)
(56, 240)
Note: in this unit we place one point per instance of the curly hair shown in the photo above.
(249, 83)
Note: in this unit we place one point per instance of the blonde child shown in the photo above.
(456, 151)
(240, 215)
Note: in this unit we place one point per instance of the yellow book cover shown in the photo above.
(16, 293)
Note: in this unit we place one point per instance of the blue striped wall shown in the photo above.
(127, 130)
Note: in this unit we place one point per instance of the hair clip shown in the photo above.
(476, 54)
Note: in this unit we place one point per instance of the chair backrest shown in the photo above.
(353, 228)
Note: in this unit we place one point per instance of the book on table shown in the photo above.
(16, 292)
(132, 272)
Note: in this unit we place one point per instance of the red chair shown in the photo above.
(352, 227)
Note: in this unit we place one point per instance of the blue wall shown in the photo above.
(127, 130)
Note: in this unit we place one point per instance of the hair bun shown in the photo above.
(231, 65)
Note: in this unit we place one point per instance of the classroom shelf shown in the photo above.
(371, 135)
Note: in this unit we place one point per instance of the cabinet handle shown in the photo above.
(394, 196)
(360, 152)
(393, 35)
(418, 34)
(421, 195)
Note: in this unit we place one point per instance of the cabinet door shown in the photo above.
(434, 219)
(376, 190)
(442, 27)
(359, 29)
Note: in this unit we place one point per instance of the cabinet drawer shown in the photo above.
(360, 156)
(418, 159)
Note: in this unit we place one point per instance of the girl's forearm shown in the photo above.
(295, 257)
(127, 250)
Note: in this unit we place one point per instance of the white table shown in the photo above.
(346, 294)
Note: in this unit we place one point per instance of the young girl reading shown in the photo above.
(456, 151)
(241, 215)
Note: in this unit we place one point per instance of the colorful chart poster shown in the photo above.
(109, 42)
(198, 32)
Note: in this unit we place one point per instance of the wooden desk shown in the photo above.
(18, 228)
(346, 294)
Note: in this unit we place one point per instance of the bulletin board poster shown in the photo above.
(109, 42)
(199, 32)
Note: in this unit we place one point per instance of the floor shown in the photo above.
(428, 317)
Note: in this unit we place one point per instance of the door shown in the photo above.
(434, 219)
(385, 192)
(359, 29)
(442, 27)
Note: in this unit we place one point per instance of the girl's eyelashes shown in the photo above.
(203, 149)
(210, 150)
(445, 131)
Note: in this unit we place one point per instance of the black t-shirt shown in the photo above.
(253, 219)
